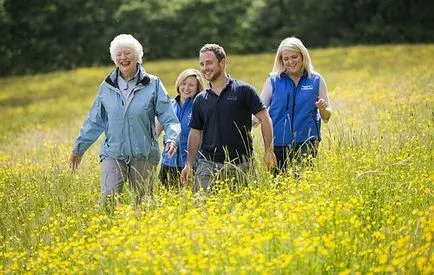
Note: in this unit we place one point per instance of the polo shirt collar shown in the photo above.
(228, 83)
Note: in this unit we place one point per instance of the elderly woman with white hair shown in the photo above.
(297, 99)
(125, 108)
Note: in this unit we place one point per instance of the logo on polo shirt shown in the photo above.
(306, 87)
(231, 98)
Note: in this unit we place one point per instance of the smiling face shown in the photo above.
(211, 68)
(292, 62)
(126, 60)
(188, 88)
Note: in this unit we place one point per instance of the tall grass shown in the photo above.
(367, 206)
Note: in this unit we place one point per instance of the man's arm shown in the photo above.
(194, 142)
(267, 135)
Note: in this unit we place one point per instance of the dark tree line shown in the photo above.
(45, 35)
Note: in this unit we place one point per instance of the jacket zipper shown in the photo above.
(293, 113)
(125, 105)
(178, 153)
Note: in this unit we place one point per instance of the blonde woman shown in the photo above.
(297, 100)
(187, 85)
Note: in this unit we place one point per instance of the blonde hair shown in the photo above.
(187, 73)
(126, 40)
(292, 44)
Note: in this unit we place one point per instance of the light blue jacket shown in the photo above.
(129, 124)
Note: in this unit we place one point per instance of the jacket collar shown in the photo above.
(228, 83)
(178, 98)
(284, 74)
(112, 78)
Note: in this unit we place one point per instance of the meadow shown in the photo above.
(366, 207)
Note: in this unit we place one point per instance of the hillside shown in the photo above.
(367, 206)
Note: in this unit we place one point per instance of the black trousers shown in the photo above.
(299, 155)
(170, 176)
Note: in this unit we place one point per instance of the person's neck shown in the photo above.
(182, 100)
(219, 83)
(127, 76)
(296, 76)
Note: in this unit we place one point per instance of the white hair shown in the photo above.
(292, 44)
(126, 40)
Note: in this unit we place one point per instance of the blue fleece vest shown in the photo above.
(292, 109)
(184, 115)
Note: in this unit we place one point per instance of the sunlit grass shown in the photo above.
(366, 207)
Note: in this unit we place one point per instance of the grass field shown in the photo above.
(366, 207)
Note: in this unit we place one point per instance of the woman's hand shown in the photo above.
(74, 161)
(324, 109)
(170, 148)
(321, 104)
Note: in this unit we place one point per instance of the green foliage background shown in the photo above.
(45, 35)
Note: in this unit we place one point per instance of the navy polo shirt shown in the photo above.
(226, 121)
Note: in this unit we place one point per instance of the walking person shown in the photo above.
(125, 108)
(221, 125)
(297, 100)
(187, 85)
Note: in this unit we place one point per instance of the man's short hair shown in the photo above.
(216, 49)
